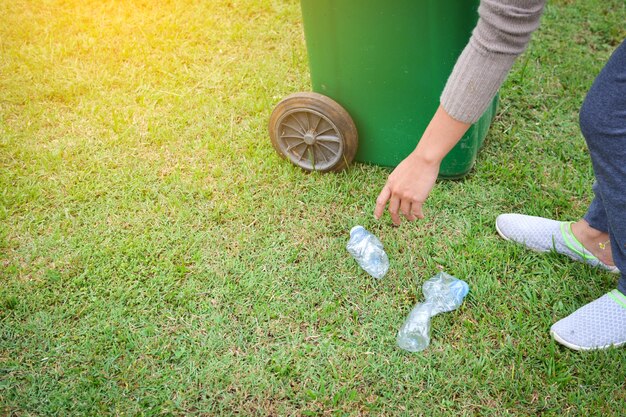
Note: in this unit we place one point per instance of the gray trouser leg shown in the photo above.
(603, 124)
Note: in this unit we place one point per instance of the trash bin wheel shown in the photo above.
(313, 132)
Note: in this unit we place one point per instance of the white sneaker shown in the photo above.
(545, 235)
(600, 324)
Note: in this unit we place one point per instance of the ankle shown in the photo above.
(583, 230)
(595, 241)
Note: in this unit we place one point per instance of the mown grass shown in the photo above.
(157, 257)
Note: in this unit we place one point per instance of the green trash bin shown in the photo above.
(377, 68)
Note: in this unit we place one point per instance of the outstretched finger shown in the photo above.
(381, 202)
(394, 206)
(416, 210)
(405, 209)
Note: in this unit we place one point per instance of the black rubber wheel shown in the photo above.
(313, 132)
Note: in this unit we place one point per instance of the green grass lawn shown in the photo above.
(158, 258)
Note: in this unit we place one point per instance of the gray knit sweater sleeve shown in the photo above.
(502, 33)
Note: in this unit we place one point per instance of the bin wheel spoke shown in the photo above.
(328, 138)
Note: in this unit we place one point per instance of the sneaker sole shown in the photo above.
(565, 343)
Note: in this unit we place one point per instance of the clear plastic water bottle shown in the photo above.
(443, 293)
(367, 250)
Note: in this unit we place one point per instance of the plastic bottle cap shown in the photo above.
(355, 228)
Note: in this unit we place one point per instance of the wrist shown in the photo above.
(441, 135)
(427, 156)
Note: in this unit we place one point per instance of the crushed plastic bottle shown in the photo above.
(443, 293)
(367, 250)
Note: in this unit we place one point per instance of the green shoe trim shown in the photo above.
(573, 244)
(618, 297)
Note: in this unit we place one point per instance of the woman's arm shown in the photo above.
(410, 183)
(501, 34)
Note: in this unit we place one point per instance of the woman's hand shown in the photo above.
(407, 188)
(410, 183)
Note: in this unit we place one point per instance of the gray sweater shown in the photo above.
(501, 35)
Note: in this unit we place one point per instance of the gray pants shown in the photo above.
(603, 124)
